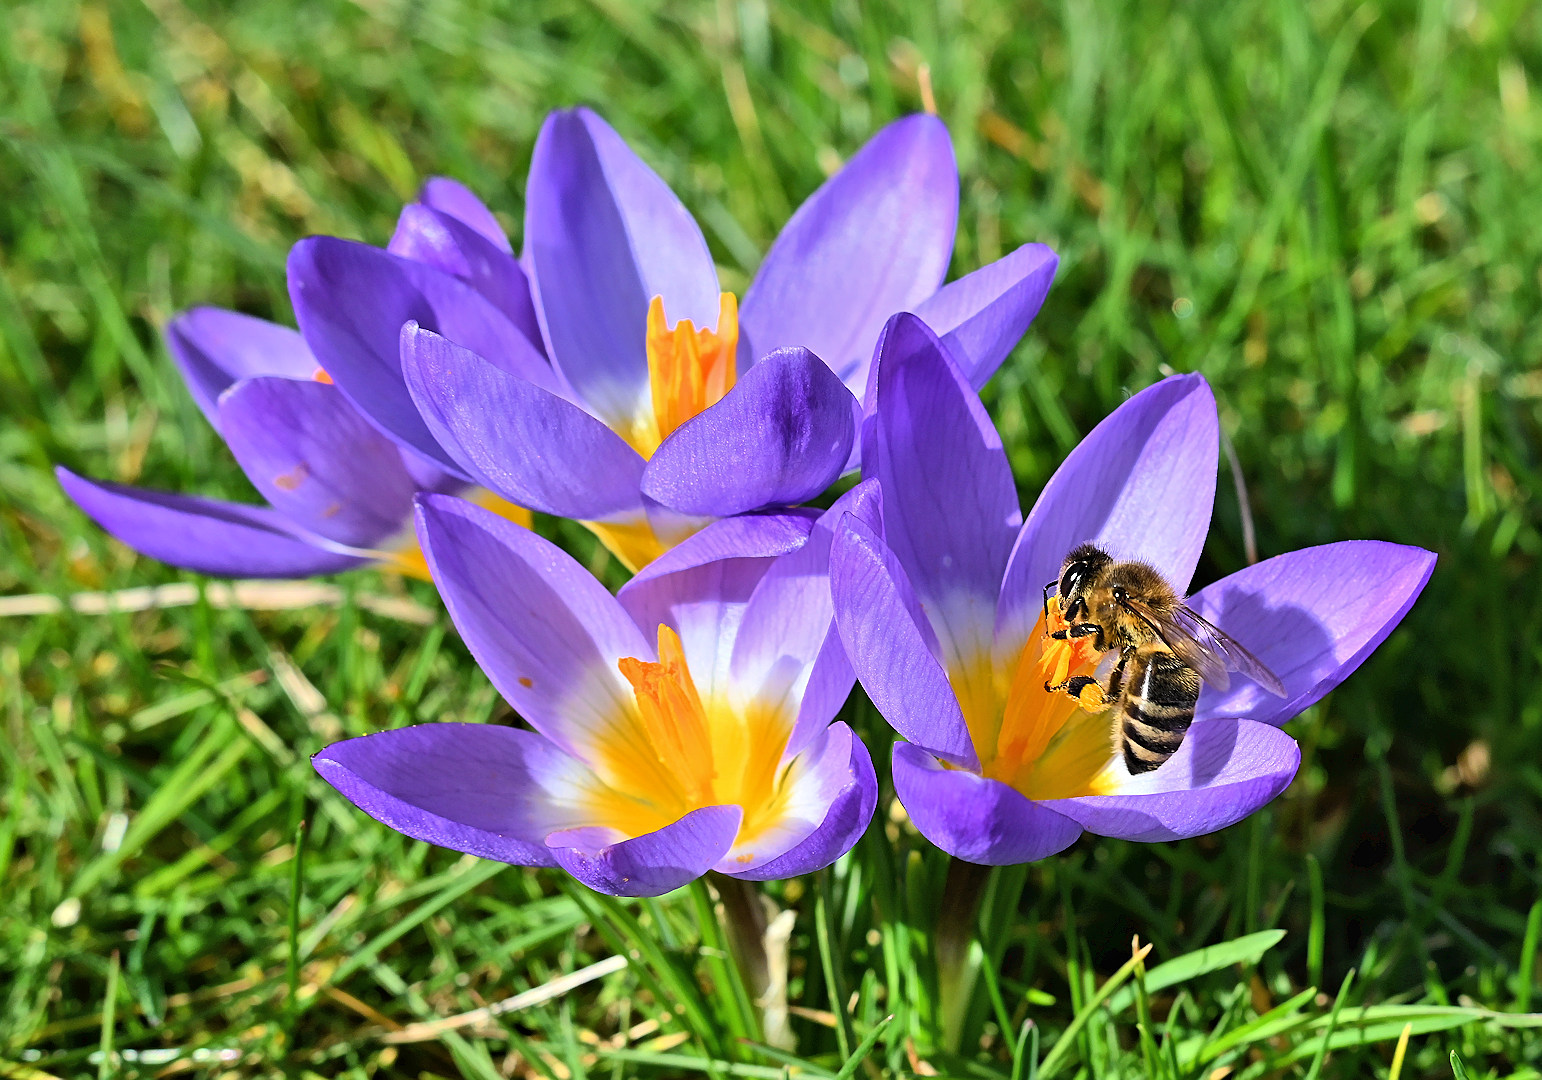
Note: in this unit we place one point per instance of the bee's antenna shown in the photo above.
(1048, 586)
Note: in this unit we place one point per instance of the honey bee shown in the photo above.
(1165, 650)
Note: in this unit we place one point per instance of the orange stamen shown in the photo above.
(1060, 655)
(677, 752)
(672, 716)
(688, 370)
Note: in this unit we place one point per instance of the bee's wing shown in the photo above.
(1191, 639)
(1211, 651)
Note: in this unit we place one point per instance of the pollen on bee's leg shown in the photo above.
(1084, 690)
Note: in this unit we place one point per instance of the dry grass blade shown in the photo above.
(432, 1029)
(251, 595)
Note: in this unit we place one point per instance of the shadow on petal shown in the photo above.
(1225, 770)
(1312, 616)
(977, 820)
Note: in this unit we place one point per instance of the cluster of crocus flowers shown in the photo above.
(655, 372)
(687, 723)
(593, 377)
(339, 491)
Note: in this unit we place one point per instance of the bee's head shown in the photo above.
(1078, 571)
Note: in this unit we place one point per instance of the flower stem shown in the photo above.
(958, 964)
(757, 936)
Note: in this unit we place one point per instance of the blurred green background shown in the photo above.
(1328, 209)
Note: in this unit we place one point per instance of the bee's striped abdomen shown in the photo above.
(1155, 709)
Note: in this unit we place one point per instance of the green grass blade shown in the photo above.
(1321, 1051)
(865, 1047)
(1067, 1040)
(108, 1065)
(1526, 977)
(1244, 950)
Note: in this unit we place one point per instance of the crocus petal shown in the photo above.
(316, 460)
(527, 444)
(1141, 486)
(352, 300)
(443, 241)
(1225, 770)
(603, 236)
(837, 796)
(456, 199)
(781, 436)
(206, 535)
(875, 239)
(544, 630)
(975, 819)
(430, 477)
(214, 348)
(484, 789)
(950, 505)
(746, 536)
(983, 315)
(891, 646)
(657, 862)
(787, 648)
(1312, 617)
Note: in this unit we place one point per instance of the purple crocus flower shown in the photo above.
(666, 406)
(941, 616)
(682, 726)
(339, 492)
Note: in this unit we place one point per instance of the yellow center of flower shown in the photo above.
(676, 752)
(1036, 741)
(688, 370)
(633, 543)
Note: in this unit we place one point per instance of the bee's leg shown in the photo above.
(1081, 630)
(1086, 692)
(1116, 677)
(1076, 630)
